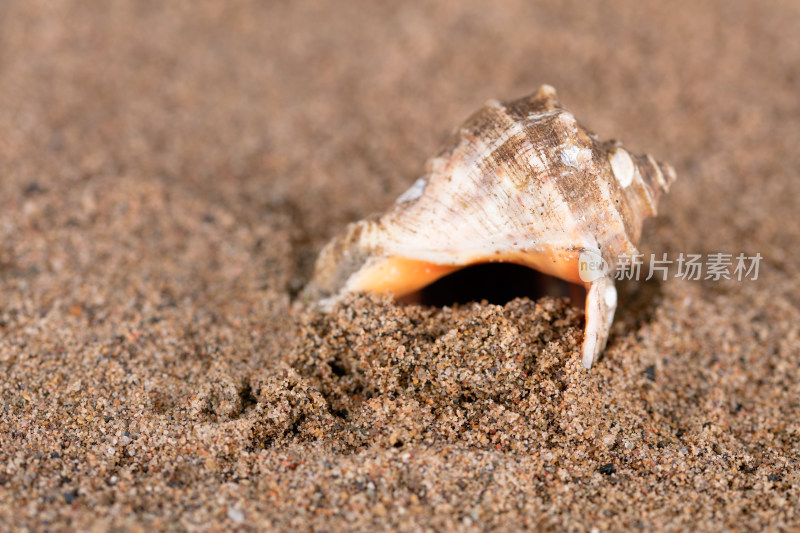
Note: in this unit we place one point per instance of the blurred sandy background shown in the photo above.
(168, 171)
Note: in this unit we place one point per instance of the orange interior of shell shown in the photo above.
(404, 278)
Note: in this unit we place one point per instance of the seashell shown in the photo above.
(519, 182)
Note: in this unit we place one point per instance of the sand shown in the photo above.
(169, 170)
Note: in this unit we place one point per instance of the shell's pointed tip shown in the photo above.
(547, 91)
(669, 175)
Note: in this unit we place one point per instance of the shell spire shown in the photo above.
(519, 182)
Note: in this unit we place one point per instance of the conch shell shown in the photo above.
(519, 182)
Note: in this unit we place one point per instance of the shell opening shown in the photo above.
(497, 283)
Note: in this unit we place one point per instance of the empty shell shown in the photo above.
(519, 182)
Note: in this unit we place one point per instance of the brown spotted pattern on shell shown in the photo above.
(519, 182)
